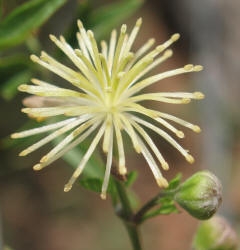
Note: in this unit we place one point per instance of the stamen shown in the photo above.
(42, 83)
(97, 80)
(80, 110)
(108, 166)
(46, 112)
(52, 91)
(198, 95)
(67, 148)
(122, 52)
(52, 136)
(69, 52)
(167, 137)
(152, 145)
(121, 155)
(67, 140)
(104, 49)
(45, 57)
(85, 38)
(161, 181)
(82, 46)
(95, 52)
(79, 82)
(167, 54)
(159, 97)
(141, 52)
(112, 46)
(42, 129)
(178, 133)
(132, 74)
(118, 48)
(150, 80)
(85, 159)
(106, 138)
(132, 36)
(182, 122)
(168, 43)
(131, 133)
(105, 68)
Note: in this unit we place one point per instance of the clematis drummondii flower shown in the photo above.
(106, 101)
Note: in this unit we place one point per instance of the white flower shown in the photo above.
(107, 100)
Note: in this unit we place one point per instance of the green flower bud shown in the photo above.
(215, 234)
(200, 195)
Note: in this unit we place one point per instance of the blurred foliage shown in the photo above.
(22, 26)
(14, 69)
(215, 234)
(101, 20)
(107, 17)
(9, 88)
(25, 19)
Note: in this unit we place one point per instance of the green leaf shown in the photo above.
(1, 9)
(133, 199)
(165, 209)
(24, 19)
(105, 18)
(131, 178)
(92, 184)
(175, 182)
(95, 185)
(9, 88)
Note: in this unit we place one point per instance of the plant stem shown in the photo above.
(126, 214)
(150, 204)
(139, 216)
(134, 235)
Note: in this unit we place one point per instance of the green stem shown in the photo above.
(126, 214)
(149, 205)
(139, 216)
(134, 235)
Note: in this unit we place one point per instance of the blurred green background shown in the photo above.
(35, 213)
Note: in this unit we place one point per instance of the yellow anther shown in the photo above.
(162, 182)
(196, 129)
(103, 196)
(186, 100)
(34, 58)
(67, 187)
(23, 153)
(124, 28)
(198, 68)
(168, 53)
(199, 95)
(175, 37)
(180, 134)
(188, 67)
(23, 87)
(165, 166)
(139, 22)
(189, 158)
(53, 38)
(79, 23)
(37, 167)
(44, 159)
